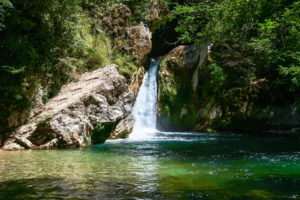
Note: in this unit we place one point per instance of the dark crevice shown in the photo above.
(164, 40)
(101, 132)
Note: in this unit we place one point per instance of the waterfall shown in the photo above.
(145, 107)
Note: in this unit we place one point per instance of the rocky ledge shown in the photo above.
(89, 111)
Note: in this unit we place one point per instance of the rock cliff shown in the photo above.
(105, 33)
(176, 107)
(98, 99)
(188, 101)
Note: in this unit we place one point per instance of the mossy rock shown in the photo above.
(101, 132)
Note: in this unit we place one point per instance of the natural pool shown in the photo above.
(170, 166)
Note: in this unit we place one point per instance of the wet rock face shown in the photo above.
(186, 100)
(176, 109)
(182, 57)
(137, 80)
(99, 97)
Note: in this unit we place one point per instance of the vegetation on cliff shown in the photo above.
(254, 55)
(260, 36)
(50, 42)
(251, 77)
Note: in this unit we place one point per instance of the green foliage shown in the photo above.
(294, 72)
(175, 97)
(4, 4)
(125, 63)
(191, 18)
(45, 97)
(96, 49)
(217, 77)
(252, 39)
(48, 43)
(289, 55)
(34, 35)
(254, 59)
(124, 134)
(101, 132)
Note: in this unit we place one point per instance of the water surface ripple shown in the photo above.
(172, 166)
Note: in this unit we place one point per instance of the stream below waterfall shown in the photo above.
(151, 164)
(173, 166)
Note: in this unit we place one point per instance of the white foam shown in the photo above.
(145, 107)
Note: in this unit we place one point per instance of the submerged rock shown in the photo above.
(98, 98)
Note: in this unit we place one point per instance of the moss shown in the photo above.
(87, 141)
(174, 95)
(45, 97)
(101, 132)
(163, 62)
(124, 134)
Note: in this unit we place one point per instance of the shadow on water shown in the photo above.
(58, 189)
(192, 145)
(243, 188)
(48, 188)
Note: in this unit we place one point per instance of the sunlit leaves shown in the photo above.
(255, 37)
(4, 4)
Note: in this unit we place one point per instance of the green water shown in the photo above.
(172, 166)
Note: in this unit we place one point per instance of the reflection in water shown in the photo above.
(169, 166)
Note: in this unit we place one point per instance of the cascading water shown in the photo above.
(145, 107)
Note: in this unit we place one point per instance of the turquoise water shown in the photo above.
(170, 166)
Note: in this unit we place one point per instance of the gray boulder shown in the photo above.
(98, 98)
